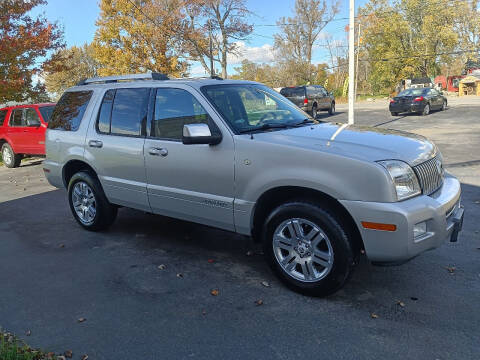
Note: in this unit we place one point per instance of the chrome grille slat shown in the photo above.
(429, 176)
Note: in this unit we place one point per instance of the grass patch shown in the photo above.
(11, 348)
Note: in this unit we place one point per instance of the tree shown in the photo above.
(225, 21)
(68, 67)
(407, 38)
(299, 33)
(141, 35)
(24, 40)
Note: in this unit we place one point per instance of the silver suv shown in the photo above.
(237, 155)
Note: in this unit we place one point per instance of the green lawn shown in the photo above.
(11, 348)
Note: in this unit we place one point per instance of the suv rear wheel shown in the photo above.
(10, 159)
(88, 203)
(331, 111)
(307, 247)
(314, 111)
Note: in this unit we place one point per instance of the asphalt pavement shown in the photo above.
(145, 287)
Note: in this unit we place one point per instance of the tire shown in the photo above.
(314, 112)
(394, 113)
(444, 106)
(331, 110)
(10, 159)
(82, 188)
(334, 245)
(426, 110)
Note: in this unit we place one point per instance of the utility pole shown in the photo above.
(212, 70)
(358, 55)
(351, 63)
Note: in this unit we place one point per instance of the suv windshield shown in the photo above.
(254, 107)
(413, 92)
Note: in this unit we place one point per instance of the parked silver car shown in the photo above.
(238, 156)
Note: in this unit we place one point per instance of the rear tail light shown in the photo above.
(392, 101)
(305, 101)
(420, 98)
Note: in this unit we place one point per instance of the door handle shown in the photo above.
(158, 151)
(95, 143)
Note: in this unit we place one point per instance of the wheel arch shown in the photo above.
(74, 166)
(274, 197)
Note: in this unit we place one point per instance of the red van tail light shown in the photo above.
(420, 98)
(392, 101)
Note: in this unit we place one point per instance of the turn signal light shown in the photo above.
(379, 226)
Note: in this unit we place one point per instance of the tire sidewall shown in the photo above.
(15, 158)
(425, 112)
(103, 208)
(342, 250)
(331, 111)
(314, 112)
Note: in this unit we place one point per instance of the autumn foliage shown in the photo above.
(24, 42)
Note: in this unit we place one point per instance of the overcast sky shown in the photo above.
(78, 19)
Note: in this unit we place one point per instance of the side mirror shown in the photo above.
(199, 134)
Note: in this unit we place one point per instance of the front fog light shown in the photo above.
(419, 229)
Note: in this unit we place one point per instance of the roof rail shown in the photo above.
(117, 78)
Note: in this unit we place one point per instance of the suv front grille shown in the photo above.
(430, 175)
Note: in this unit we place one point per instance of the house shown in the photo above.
(449, 83)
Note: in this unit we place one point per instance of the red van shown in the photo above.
(22, 131)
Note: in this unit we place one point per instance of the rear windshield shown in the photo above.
(413, 92)
(68, 112)
(46, 112)
(293, 91)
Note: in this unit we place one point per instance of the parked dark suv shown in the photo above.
(310, 98)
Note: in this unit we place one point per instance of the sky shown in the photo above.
(78, 20)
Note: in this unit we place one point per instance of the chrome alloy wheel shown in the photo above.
(303, 250)
(84, 203)
(7, 155)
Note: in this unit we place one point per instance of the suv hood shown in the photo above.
(365, 143)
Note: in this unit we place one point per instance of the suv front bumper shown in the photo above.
(441, 211)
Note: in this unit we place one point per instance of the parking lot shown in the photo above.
(144, 288)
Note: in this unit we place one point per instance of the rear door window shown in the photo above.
(68, 112)
(3, 114)
(31, 117)
(16, 118)
(129, 111)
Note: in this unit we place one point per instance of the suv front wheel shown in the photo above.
(88, 203)
(10, 159)
(307, 248)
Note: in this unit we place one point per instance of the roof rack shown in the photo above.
(117, 78)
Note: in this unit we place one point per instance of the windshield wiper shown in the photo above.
(306, 121)
(265, 127)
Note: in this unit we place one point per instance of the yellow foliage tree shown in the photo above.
(139, 36)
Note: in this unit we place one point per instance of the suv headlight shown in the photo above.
(404, 179)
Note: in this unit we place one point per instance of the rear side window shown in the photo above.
(173, 109)
(16, 118)
(46, 112)
(293, 91)
(3, 114)
(124, 112)
(68, 112)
